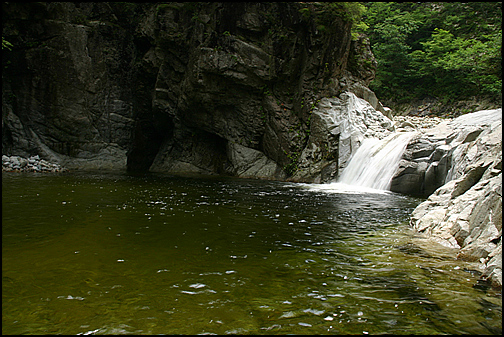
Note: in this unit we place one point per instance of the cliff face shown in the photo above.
(65, 92)
(224, 88)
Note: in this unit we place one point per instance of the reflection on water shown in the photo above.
(95, 253)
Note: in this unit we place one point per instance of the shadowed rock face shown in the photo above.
(338, 126)
(63, 85)
(222, 88)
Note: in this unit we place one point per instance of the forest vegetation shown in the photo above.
(446, 50)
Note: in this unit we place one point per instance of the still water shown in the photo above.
(112, 253)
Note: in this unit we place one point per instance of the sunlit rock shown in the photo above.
(466, 212)
(439, 154)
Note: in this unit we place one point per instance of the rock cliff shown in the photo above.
(63, 84)
(224, 88)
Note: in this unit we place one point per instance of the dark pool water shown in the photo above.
(113, 253)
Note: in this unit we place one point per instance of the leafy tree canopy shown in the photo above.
(450, 50)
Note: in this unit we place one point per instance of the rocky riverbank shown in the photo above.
(415, 123)
(31, 164)
(460, 161)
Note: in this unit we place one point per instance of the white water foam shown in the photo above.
(375, 162)
(340, 188)
(371, 168)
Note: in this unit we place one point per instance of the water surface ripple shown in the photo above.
(112, 253)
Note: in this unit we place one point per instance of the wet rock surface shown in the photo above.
(442, 149)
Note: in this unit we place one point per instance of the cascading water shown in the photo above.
(375, 162)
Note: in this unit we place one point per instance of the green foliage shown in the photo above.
(354, 12)
(358, 28)
(449, 50)
(468, 61)
(6, 44)
(326, 12)
(305, 12)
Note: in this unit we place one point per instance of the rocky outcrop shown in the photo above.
(338, 127)
(439, 154)
(466, 211)
(225, 88)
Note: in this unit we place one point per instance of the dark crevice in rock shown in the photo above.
(496, 240)
(145, 145)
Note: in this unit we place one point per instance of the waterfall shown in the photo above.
(375, 162)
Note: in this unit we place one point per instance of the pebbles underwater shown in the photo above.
(32, 164)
